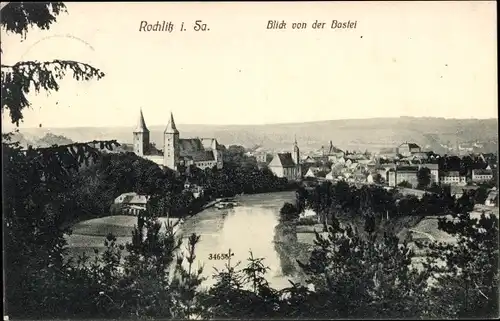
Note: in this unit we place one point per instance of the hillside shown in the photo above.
(370, 134)
(47, 140)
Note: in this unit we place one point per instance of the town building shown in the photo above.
(403, 174)
(132, 203)
(195, 189)
(492, 198)
(334, 153)
(452, 178)
(261, 157)
(331, 176)
(481, 175)
(407, 149)
(287, 165)
(201, 152)
(317, 172)
(309, 160)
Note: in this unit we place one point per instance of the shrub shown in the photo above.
(116, 209)
(289, 212)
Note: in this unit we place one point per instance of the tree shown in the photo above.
(423, 177)
(378, 179)
(288, 212)
(242, 293)
(405, 184)
(301, 196)
(480, 195)
(467, 282)
(36, 203)
(353, 278)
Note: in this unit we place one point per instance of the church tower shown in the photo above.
(141, 137)
(296, 157)
(171, 149)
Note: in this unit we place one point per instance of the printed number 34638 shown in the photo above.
(219, 256)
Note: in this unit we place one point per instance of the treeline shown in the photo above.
(343, 199)
(92, 188)
(466, 163)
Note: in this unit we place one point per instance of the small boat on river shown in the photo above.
(226, 203)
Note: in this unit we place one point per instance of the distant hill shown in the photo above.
(51, 139)
(47, 140)
(353, 134)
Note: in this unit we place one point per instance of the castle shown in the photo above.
(201, 152)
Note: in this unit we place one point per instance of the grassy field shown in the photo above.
(89, 235)
(429, 225)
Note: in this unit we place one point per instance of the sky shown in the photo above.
(434, 59)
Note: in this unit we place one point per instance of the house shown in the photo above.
(195, 189)
(452, 178)
(333, 158)
(309, 160)
(482, 175)
(407, 149)
(260, 157)
(132, 202)
(316, 172)
(310, 173)
(340, 160)
(492, 198)
(421, 155)
(335, 172)
(403, 174)
(354, 166)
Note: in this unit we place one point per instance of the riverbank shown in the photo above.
(294, 241)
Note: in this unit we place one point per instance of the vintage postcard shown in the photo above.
(250, 160)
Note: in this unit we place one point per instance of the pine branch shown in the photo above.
(18, 17)
(17, 81)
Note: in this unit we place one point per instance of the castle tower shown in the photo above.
(141, 137)
(296, 157)
(171, 148)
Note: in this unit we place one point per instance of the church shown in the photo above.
(287, 165)
(201, 152)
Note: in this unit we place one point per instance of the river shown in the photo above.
(245, 228)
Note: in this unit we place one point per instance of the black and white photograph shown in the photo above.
(249, 160)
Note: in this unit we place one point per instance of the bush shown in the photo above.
(289, 212)
(405, 184)
(116, 209)
(308, 221)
